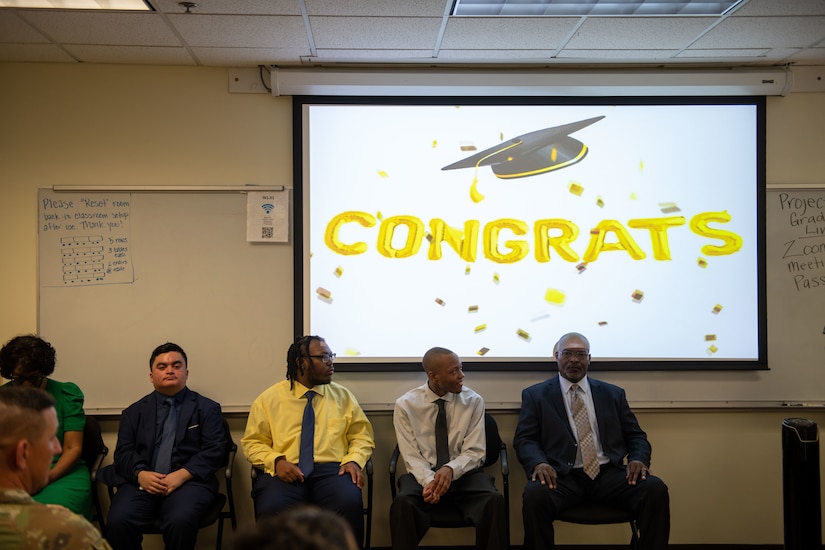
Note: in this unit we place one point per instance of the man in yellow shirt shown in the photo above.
(295, 465)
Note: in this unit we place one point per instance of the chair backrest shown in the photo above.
(493, 440)
(93, 445)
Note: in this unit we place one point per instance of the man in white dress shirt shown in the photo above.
(454, 478)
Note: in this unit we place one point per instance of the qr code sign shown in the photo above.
(266, 233)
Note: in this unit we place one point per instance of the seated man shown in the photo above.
(28, 443)
(440, 431)
(572, 438)
(308, 438)
(169, 446)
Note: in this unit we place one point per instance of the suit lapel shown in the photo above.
(187, 409)
(557, 400)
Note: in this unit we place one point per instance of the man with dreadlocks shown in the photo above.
(308, 439)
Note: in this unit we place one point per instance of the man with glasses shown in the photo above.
(308, 439)
(572, 438)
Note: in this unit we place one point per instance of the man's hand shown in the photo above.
(287, 471)
(152, 482)
(354, 471)
(176, 479)
(435, 489)
(545, 474)
(635, 471)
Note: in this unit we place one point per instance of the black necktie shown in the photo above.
(306, 456)
(442, 444)
(167, 439)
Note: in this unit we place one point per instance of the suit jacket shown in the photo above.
(200, 442)
(543, 433)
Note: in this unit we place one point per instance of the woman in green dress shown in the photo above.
(30, 360)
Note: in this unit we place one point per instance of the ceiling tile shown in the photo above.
(625, 33)
(243, 57)
(506, 33)
(420, 56)
(379, 8)
(497, 56)
(15, 29)
(33, 53)
(241, 31)
(755, 32)
(234, 7)
(103, 27)
(375, 32)
(783, 7)
(614, 55)
(131, 54)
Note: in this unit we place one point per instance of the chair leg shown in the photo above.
(634, 535)
(219, 541)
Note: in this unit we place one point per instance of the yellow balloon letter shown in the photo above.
(465, 243)
(518, 249)
(415, 232)
(561, 243)
(731, 242)
(331, 234)
(658, 233)
(625, 241)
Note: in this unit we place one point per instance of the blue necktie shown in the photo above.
(306, 456)
(163, 464)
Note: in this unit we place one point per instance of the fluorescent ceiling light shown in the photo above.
(591, 7)
(124, 5)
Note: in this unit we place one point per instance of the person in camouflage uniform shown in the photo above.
(28, 443)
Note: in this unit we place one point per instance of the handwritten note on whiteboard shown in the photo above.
(84, 238)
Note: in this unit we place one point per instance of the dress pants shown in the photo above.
(475, 496)
(648, 501)
(324, 488)
(134, 512)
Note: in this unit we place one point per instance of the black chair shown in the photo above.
(93, 453)
(368, 470)
(600, 514)
(448, 516)
(216, 511)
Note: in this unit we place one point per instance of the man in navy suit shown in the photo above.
(169, 446)
(563, 471)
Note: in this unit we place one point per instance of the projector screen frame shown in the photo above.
(303, 294)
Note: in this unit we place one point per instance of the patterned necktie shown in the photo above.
(584, 432)
(306, 456)
(167, 439)
(442, 444)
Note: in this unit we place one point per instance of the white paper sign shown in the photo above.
(267, 216)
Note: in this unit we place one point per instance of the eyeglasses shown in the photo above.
(580, 355)
(325, 357)
(33, 379)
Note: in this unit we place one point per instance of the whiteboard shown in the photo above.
(229, 303)
(176, 267)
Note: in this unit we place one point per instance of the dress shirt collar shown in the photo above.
(432, 397)
(584, 384)
(299, 390)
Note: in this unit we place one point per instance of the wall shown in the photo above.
(103, 125)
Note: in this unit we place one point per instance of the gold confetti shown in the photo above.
(600, 202)
(716, 309)
(383, 174)
(480, 328)
(339, 271)
(349, 352)
(637, 296)
(602, 323)
(576, 189)
(440, 302)
(668, 207)
(701, 262)
(710, 337)
(323, 293)
(581, 267)
(429, 237)
(468, 147)
(472, 309)
(641, 165)
(483, 351)
(634, 197)
(379, 215)
(435, 143)
(554, 296)
(467, 270)
(523, 334)
(713, 349)
(496, 278)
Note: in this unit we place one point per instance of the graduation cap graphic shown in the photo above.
(532, 153)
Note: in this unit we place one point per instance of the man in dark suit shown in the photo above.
(572, 438)
(169, 446)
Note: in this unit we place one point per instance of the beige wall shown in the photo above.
(96, 125)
